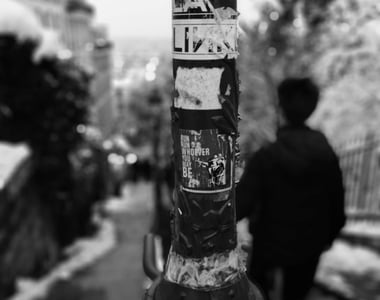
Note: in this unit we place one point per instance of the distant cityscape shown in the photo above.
(132, 54)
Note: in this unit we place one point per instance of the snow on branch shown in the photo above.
(20, 21)
(50, 46)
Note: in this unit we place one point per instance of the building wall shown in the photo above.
(104, 110)
(78, 36)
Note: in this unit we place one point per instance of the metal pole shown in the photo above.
(205, 261)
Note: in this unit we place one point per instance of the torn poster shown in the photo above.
(190, 6)
(204, 39)
(203, 9)
(198, 88)
(206, 161)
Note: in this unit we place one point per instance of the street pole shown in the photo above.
(205, 261)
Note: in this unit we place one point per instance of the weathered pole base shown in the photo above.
(243, 289)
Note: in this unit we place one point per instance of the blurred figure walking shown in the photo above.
(164, 212)
(292, 192)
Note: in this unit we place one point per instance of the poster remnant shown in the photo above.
(203, 9)
(198, 88)
(190, 7)
(202, 31)
(206, 161)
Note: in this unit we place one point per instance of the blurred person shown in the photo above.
(143, 169)
(167, 207)
(163, 213)
(292, 192)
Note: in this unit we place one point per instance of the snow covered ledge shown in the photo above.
(351, 271)
(83, 253)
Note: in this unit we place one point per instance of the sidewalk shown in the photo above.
(119, 275)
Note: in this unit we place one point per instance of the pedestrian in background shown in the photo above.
(162, 216)
(292, 192)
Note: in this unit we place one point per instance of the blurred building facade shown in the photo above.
(78, 31)
(104, 108)
(90, 47)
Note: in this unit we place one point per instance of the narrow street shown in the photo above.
(119, 274)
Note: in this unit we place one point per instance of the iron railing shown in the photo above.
(360, 163)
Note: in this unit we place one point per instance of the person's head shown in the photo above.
(298, 98)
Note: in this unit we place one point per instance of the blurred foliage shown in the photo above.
(42, 104)
(333, 41)
(348, 69)
(147, 110)
(269, 50)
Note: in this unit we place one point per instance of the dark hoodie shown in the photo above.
(293, 194)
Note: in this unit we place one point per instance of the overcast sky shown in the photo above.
(139, 18)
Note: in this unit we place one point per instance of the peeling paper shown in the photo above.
(226, 13)
(198, 88)
(209, 272)
(198, 9)
(204, 39)
(207, 34)
(205, 163)
(219, 34)
(233, 55)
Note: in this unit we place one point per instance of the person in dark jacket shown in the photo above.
(292, 192)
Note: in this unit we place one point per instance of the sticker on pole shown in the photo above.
(206, 161)
(198, 88)
(190, 7)
(204, 9)
(204, 39)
